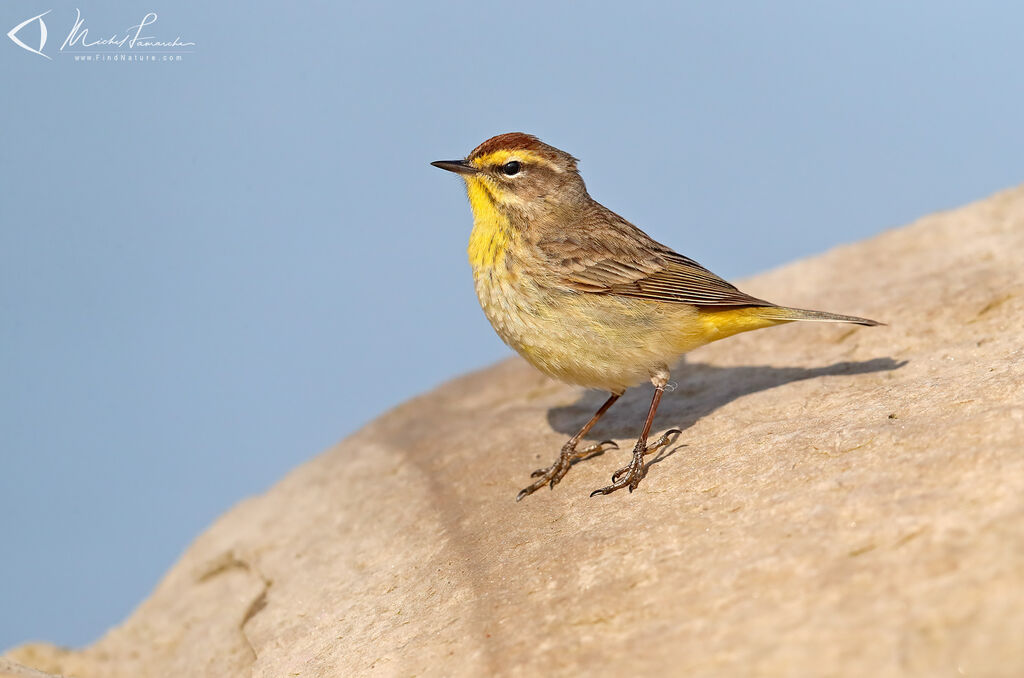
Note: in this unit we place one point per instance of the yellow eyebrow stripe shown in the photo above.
(502, 156)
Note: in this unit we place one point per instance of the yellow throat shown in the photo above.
(491, 229)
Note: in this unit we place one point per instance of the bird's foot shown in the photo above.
(631, 474)
(553, 474)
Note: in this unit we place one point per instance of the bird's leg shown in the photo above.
(554, 473)
(630, 475)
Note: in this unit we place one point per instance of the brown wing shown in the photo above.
(616, 257)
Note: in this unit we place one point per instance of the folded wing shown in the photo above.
(618, 258)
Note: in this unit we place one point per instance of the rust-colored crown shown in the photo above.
(518, 141)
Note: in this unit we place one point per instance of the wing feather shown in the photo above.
(618, 258)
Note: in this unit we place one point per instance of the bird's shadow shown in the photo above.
(700, 389)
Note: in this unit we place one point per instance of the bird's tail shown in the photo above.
(786, 314)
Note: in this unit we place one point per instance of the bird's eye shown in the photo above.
(511, 168)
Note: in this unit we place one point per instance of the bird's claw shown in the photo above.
(627, 476)
(553, 474)
(546, 476)
(631, 474)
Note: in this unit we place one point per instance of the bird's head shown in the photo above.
(518, 173)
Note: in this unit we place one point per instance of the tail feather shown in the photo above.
(784, 313)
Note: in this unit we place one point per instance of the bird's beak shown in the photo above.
(457, 166)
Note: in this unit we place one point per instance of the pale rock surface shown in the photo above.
(10, 669)
(842, 501)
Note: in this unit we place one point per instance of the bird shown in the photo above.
(585, 296)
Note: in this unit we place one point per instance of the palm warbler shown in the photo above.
(584, 295)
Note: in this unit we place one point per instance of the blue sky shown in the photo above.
(212, 269)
